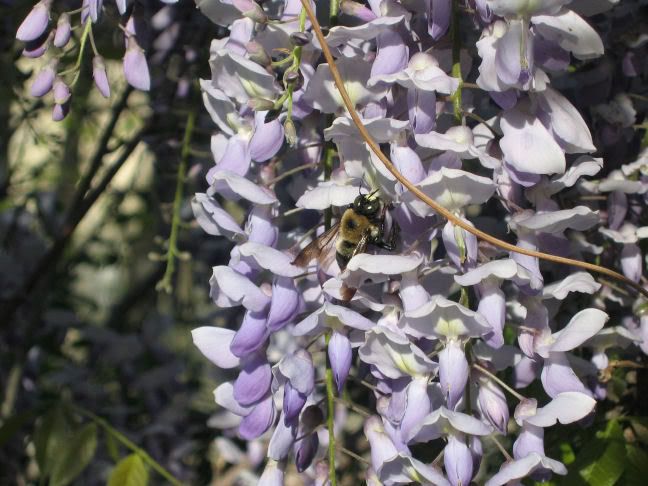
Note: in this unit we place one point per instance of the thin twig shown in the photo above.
(501, 448)
(356, 408)
(354, 455)
(51, 256)
(128, 444)
(457, 221)
(172, 252)
(495, 378)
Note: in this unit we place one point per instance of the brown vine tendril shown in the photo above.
(375, 148)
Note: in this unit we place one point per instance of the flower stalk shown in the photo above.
(172, 252)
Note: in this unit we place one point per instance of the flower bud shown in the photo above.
(251, 10)
(35, 23)
(492, 405)
(290, 132)
(38, 47)
(340, 354)
(44, 80)
(300, 39)
(305, 450)
(136, 68)
(61, 92)
(293, 79)
(257, 53)
(458, 460)
(453, 372)
(358, 10)
(100, 77)
(59, 112)
(63, 31)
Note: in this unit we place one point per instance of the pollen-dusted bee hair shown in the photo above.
(362, 223)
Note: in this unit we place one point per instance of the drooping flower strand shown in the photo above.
(39, 40)
(433, 360)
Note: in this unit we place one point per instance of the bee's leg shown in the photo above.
(389, 245)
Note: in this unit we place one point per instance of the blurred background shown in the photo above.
(102, 276)
(89, 322)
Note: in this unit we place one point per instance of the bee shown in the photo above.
(361, 224)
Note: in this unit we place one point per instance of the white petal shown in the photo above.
(225, 181)
(566, 408)
(514, 470)
(214, 343)
(528, 146)
(278, 262)
(566, 122)
(326, 195)
(213, 219)
(502, 269)
(452, 189)
(581, 327)
(579, 218)
(571, 32)
(576, 282)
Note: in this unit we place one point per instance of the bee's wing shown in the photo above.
(318, 248)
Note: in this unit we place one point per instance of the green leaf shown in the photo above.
(607, 470)
(567, 453)
(112, 446)
(637, 468)
(130, 471)
(613, 430)
(75, 456)
(50, 437)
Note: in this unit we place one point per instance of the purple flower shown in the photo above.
(339, 352)
(63, 31)
(453, 372)
(136, 68)
(44, 80)
(35, 23)
(100, 77)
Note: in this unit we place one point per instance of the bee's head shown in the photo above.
(367, 204)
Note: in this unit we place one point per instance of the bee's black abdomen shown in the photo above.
(342, 260)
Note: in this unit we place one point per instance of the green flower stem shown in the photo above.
(296, 62)
(329, 156)
(334, 10)
(172, 252)
(82, 44)
(126, 442)
(330, 419)
(456, 60)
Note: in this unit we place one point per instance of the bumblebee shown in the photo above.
(361, 224)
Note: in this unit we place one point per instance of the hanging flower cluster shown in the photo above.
(44, 35)
(435, 323)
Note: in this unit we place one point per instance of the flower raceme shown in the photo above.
(431, 364)
(420, 350)
(45, 38)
